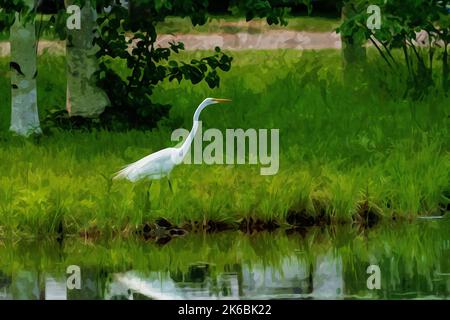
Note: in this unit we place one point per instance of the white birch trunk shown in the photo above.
(24, 110)
(84, 98)
(25, 285)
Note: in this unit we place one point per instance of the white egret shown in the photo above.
(159, 164)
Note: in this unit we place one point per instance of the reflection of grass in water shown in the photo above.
(409, 255)
(338, 146)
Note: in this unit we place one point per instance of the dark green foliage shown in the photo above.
(11, 6)
(8, 10)
(401, 22)
(148, 65)
(273, 10)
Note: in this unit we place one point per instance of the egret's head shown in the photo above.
(209, 101)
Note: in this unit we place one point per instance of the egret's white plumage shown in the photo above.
(159, 164)
(153, 166)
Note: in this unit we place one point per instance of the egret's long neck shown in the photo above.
(185, 146)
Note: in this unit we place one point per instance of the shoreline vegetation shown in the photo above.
(359, 154)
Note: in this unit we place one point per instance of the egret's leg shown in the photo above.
(170, 185)
(148, 189)
(148, 204)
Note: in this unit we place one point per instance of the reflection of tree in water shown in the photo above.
(27, 285)
(94, 283)
(293, 277)
(5, 283)
(327, 277)
(204, 280)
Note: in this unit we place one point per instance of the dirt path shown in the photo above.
(237, 41)
(267, 40)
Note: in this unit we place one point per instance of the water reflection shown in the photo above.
(327, 263)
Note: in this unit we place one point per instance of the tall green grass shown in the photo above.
(339, 147)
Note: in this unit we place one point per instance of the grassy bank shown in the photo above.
(346, 153)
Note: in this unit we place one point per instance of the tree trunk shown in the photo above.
(84, 98)
(24, 111)
(353, 52)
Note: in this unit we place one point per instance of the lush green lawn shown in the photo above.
(227, 24)
(339, 147)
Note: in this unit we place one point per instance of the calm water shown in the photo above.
(327, 263)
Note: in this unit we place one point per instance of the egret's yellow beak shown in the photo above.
(222, 100)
